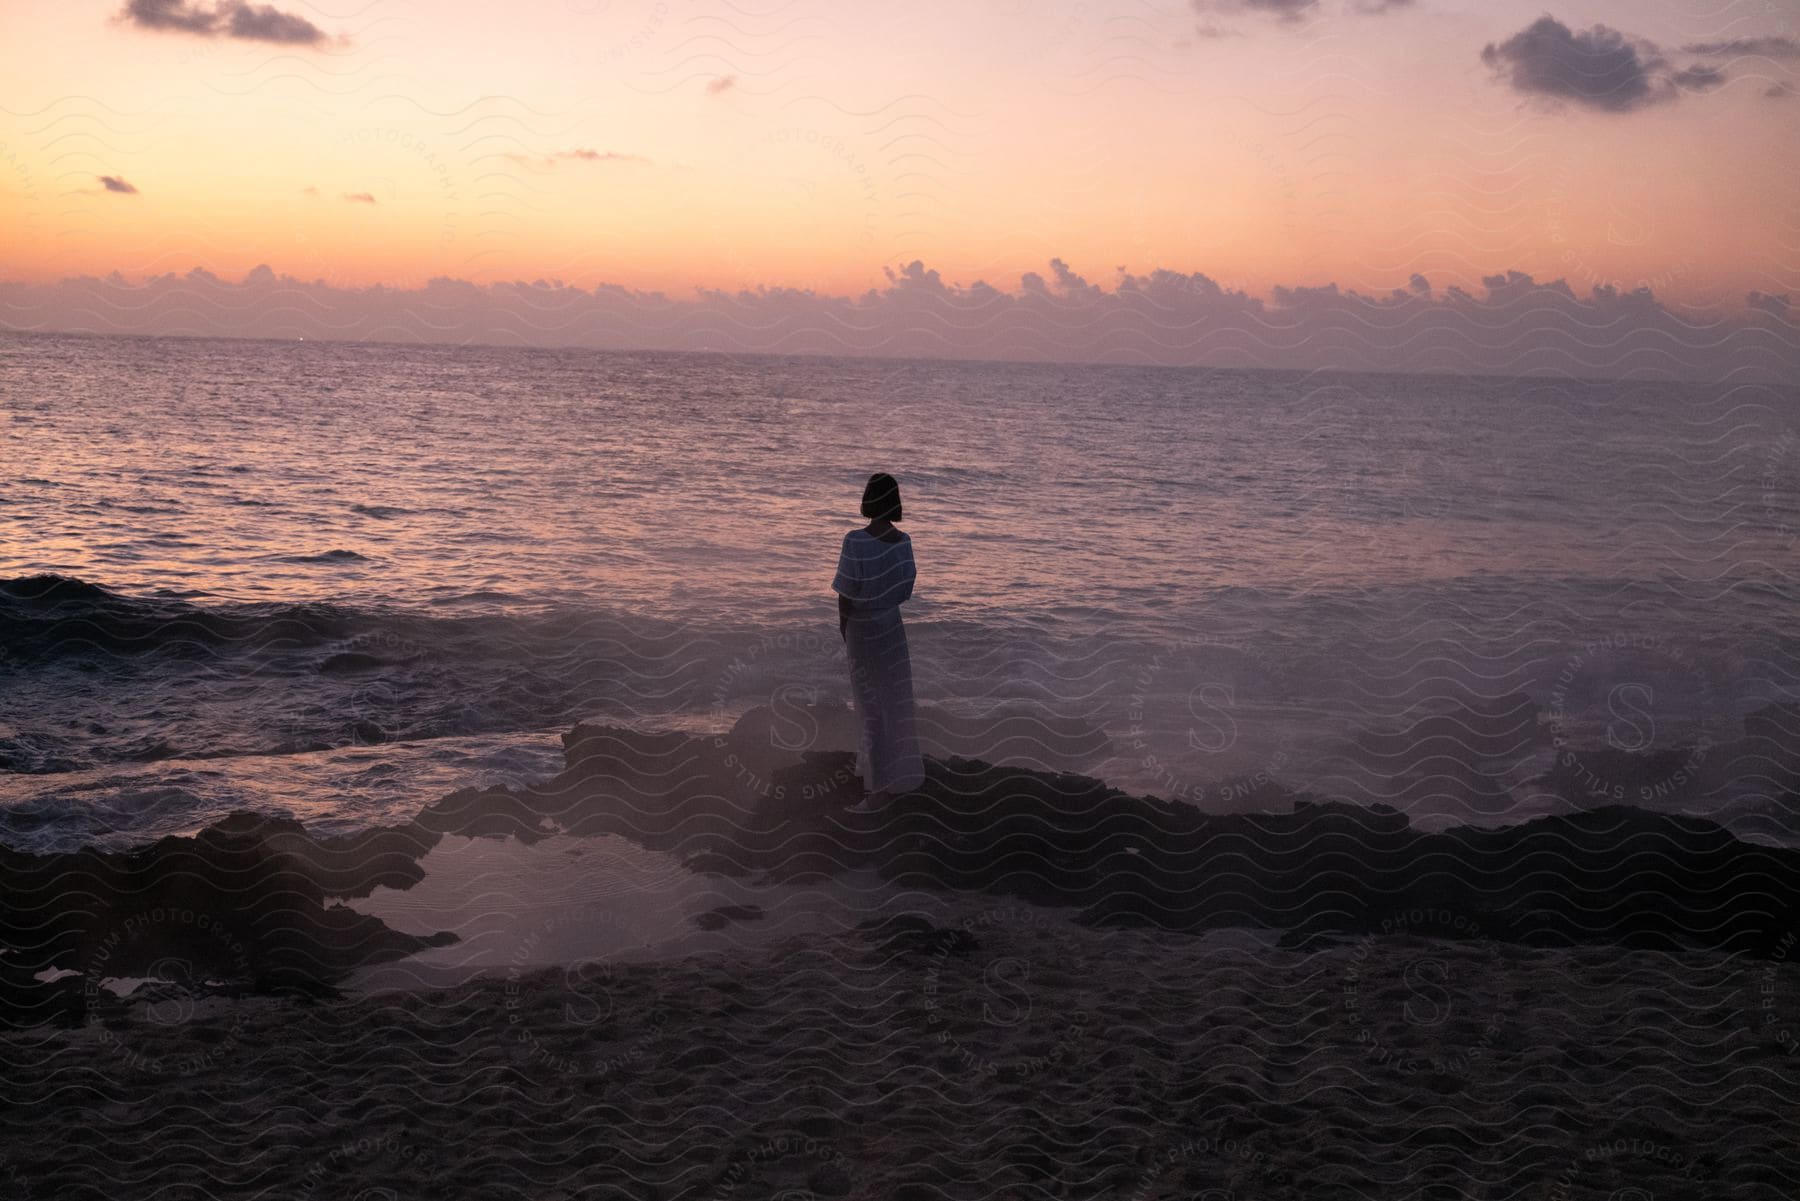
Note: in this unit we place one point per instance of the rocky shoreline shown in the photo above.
(253, 904)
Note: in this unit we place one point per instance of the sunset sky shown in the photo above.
(676, 144)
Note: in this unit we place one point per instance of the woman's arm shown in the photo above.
(844, 606)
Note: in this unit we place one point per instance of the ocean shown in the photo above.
(339, 580)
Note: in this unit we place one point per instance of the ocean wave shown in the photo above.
(97, 677)
(329, 556)
(52, 617)
(1412, 709)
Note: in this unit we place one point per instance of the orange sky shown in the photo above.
(814, 144)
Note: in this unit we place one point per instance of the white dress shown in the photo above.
(877, 576)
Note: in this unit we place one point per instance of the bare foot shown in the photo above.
(873, 802)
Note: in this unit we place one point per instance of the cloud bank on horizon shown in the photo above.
(1516, 325)
(1291, 12)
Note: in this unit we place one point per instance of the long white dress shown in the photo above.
(877, 576)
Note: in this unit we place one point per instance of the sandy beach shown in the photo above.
(636, 979)
(989, 1050)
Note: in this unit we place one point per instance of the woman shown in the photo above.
(875, 574)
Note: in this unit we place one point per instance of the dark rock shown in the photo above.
(768, 738)
(243, 901)
(724, 915)
(1323, 869)
(912, 934)
(831, 1180)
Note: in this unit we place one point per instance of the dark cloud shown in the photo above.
(170, 14)
(1778, 303)
(265, 24)
(600, 156)
(1281, 10)
(1284, 11)
(1776, 46)
(1698, 78)
(114, 183)
(723, 83)
(579, 154)
(359, 197)
(1600, 68)
(229, 18)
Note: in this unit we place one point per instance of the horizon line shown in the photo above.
(813, 356)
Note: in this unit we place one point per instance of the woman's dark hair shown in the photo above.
(881, 497)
